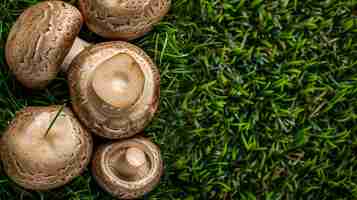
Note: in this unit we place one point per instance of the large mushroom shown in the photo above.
(40, 42)
(128, 169)
(121, 19)
(45, 148)
(114, 89)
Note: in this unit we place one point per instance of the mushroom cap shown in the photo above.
(39, 41)
(38, 159)
(115, 89)
(123, 19)
(107, 172)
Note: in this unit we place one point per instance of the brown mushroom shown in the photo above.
(45, 148)
(115, 89)
(121, 19)
(128, 169)
(40, 40)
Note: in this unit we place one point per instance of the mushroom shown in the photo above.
(40, 42)
(128, 169)
(115, 89)
(121, 19)
(45, 148)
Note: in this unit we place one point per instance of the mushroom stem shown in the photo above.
(134, 165)
(78, 46)
(117, 85)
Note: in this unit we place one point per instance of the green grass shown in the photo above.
(258, 101)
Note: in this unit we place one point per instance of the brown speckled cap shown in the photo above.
(123, 19)
(128, 169)
(39, 158)
(39, 41)
(115, 89)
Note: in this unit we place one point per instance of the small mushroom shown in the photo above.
(40, 42)
(128, 169)
(115, 89)
(123, 19)
(45, 148)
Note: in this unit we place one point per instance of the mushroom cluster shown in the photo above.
(114, 88)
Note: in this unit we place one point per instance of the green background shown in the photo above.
(258, 101)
